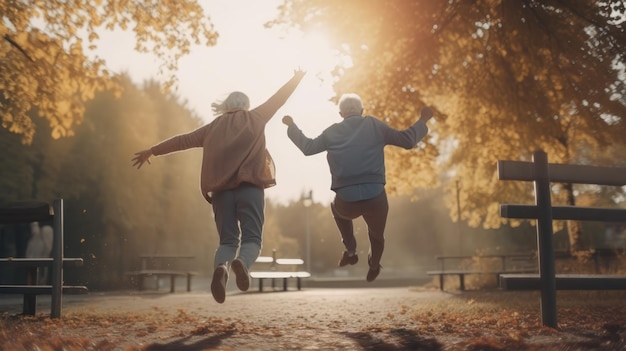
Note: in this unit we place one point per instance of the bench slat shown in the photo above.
(564, 212)
(580, 174)
(160, 272)
(463, 273)
(41, 289)
(24, 212)
(564, 282)
(172, 274)
(274, 274)
(457, 272)
(289, 261)
(38, 262)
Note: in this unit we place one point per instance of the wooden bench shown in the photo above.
(542, 174)
(158, 266)
(281, 268)
(564, 282)
(462, 273)
(35, 211)
(509, 263)
(33, 288)
(141, 276)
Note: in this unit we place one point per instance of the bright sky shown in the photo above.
(256, 61)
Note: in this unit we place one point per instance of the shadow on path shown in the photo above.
(406, 340)
(180, 345)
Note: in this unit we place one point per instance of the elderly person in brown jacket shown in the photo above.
(236, 168)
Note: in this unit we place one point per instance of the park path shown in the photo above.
(311, 319)
(317, 318)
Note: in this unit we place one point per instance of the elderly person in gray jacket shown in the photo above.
(355, 154)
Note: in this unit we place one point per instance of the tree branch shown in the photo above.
(17, 46)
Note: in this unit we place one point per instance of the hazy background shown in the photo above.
(257, 61)
(571, 107)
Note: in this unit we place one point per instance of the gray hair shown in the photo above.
(235, 101)
(350, 104)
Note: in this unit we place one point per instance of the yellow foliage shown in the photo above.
(48, 69)
(500, 77)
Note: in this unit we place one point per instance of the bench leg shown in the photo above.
(140, 282)
(260, 284)
(30, 304)
(273, 284)
(299, 283)
(188, 282)
(32, 276)
(30, 301)
(172, 282)
(284, 284)
(441, 282)
(462, 281)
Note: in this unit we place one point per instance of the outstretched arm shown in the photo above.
(306, 145)
(173, 144)
(269, 108)
(408, 138)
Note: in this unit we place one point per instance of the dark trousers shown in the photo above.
(374, 212)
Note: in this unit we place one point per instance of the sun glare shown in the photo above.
(315, 55)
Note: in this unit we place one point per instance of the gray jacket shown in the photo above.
(355, 147)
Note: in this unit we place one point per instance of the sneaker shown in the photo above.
(347, 259)
(241, 274)
(373, 271)
(218, 283)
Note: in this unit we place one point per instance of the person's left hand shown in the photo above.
(299, 73)
(426, 114)
(141, 157)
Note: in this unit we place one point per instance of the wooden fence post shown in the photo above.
(545, 240)
(57, 263)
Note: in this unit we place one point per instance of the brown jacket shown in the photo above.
(233, 145)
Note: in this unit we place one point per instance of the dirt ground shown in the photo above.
(379, 318)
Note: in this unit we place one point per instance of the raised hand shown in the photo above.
(426, 114)
(299, 73)
(287, 120)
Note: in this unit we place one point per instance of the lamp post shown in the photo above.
(307, 201)
(458, 216)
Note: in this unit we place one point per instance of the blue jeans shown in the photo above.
(239, 217)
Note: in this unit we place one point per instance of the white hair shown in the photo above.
(350, 104)
(235, 101)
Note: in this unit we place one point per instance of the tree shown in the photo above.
(43, 60)
(16, 173)
(506, 78)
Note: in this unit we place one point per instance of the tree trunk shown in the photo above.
(574, 228)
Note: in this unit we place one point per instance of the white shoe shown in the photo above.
(241, 274)
(218, 283)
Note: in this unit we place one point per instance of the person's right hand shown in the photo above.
(141, 157)
(426, 114)
(287, 120)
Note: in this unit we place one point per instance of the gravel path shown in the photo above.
(375, 318)
(311, 319)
